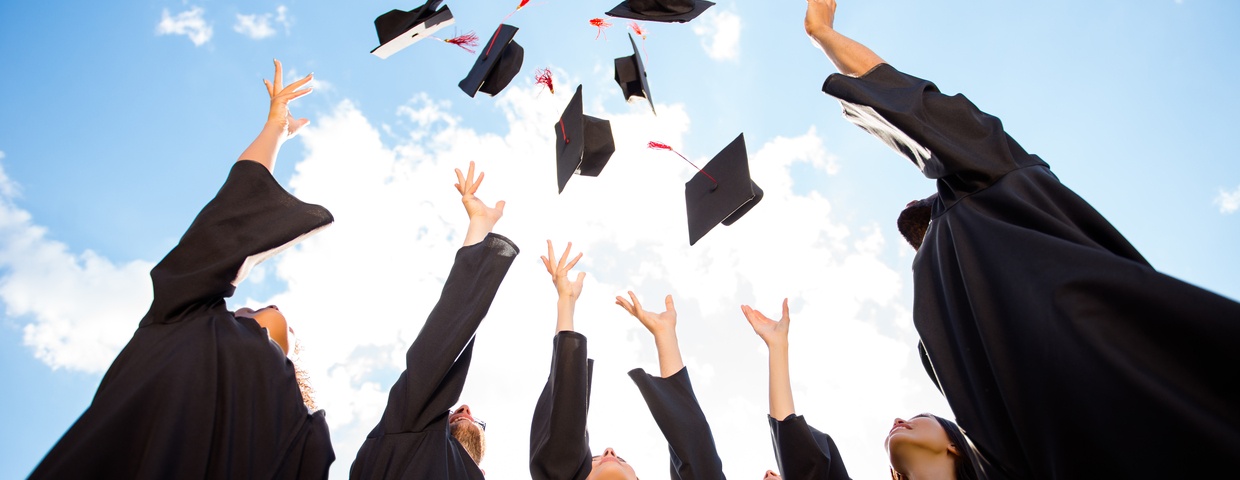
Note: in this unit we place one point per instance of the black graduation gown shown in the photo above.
(197, 392)
(803, 452)
(1063, 353)
(413, 439)
(560, 443)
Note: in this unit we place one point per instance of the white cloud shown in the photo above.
(258, 26)
(83, 307)
(189, 23)
(720, 33)
(1228, 202)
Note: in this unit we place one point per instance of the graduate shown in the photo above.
(418, 437)
(922, 447)
(559, 440)
(201, 391)
(1063, 353)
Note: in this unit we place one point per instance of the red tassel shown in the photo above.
(637, 29)
(601, 24)
(465, 41)
(543, 77)
(664, 146)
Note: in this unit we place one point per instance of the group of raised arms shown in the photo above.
(1061, 351)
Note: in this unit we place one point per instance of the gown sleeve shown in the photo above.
(438, 361)
(250, 219)
(676, 411)
(947, 137)
(559, 441)
(804, 452)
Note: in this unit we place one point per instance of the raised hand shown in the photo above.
(658, 323)
(474, 206)
(567, 289)
(772, 332)
(280, 97)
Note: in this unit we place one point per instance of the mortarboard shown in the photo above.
(679, 11)
(631, 75)
(398, 29)
(497, 65)
(709, 203)
(583, 144)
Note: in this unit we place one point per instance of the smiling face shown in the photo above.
(270, 318)
(915, 439)
(469, 431)
(608, 466)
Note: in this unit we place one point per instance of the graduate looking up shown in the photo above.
(1063, 353)
(559, 439)
(201, 391)
(418, 437)
(922, 447)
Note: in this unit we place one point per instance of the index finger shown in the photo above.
(279, 78)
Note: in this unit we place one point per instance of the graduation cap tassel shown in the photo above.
(464, 41)
(564, 132)
(601, 24)
(664, 146)
(641, 32)
(543, 77)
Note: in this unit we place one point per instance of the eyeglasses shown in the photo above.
(481, 424)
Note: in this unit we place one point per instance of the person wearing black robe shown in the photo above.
(414, 438)
(559, 439)
(1063, 353)
(924, 445)
(201, 392)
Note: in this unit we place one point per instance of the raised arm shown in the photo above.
(850, 58)
(663, 327)
(559, 442)
(280, 125)
(775, 334)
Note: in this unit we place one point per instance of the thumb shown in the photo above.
(581, 276)
(500, 206)
(671, 307)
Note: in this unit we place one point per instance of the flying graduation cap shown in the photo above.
(631, 75)
(499, 62)
(583, 144)
(679, 11)
(722, 192)
(398, 29)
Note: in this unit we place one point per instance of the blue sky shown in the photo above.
(113, 135)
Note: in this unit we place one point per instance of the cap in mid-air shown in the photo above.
(631, 75)
(722, 192)
(497, 64)
(398, 29)
(679, 11)
(583, 144)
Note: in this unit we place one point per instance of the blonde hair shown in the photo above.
(303, 378)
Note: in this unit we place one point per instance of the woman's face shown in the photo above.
(270, 318)
(610, 467)
(921, 433)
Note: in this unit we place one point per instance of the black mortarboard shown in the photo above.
(398, 29)
(583, 144)
(631, 75)
(708, 203)
(498, 63)
(679, 11)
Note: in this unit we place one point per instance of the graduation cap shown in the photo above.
(398, 29)
(722, 192)
(631, 75)
(497, 65)
(583, 144)
(679, 11)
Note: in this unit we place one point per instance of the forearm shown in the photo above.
(669, 354)
(850, 57)
(780, 383)
(266, 146)
(479, 227)
(564, 314)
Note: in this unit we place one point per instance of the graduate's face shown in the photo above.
(608, 466)
(915, 438)
(270, 318)
(469, 431)
(771, 475)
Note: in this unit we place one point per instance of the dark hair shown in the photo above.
(970, 464)
(914, 220)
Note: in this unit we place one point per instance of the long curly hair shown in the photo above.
(303, 378)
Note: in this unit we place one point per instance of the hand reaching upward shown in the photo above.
(774, 333)
(481, 217)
